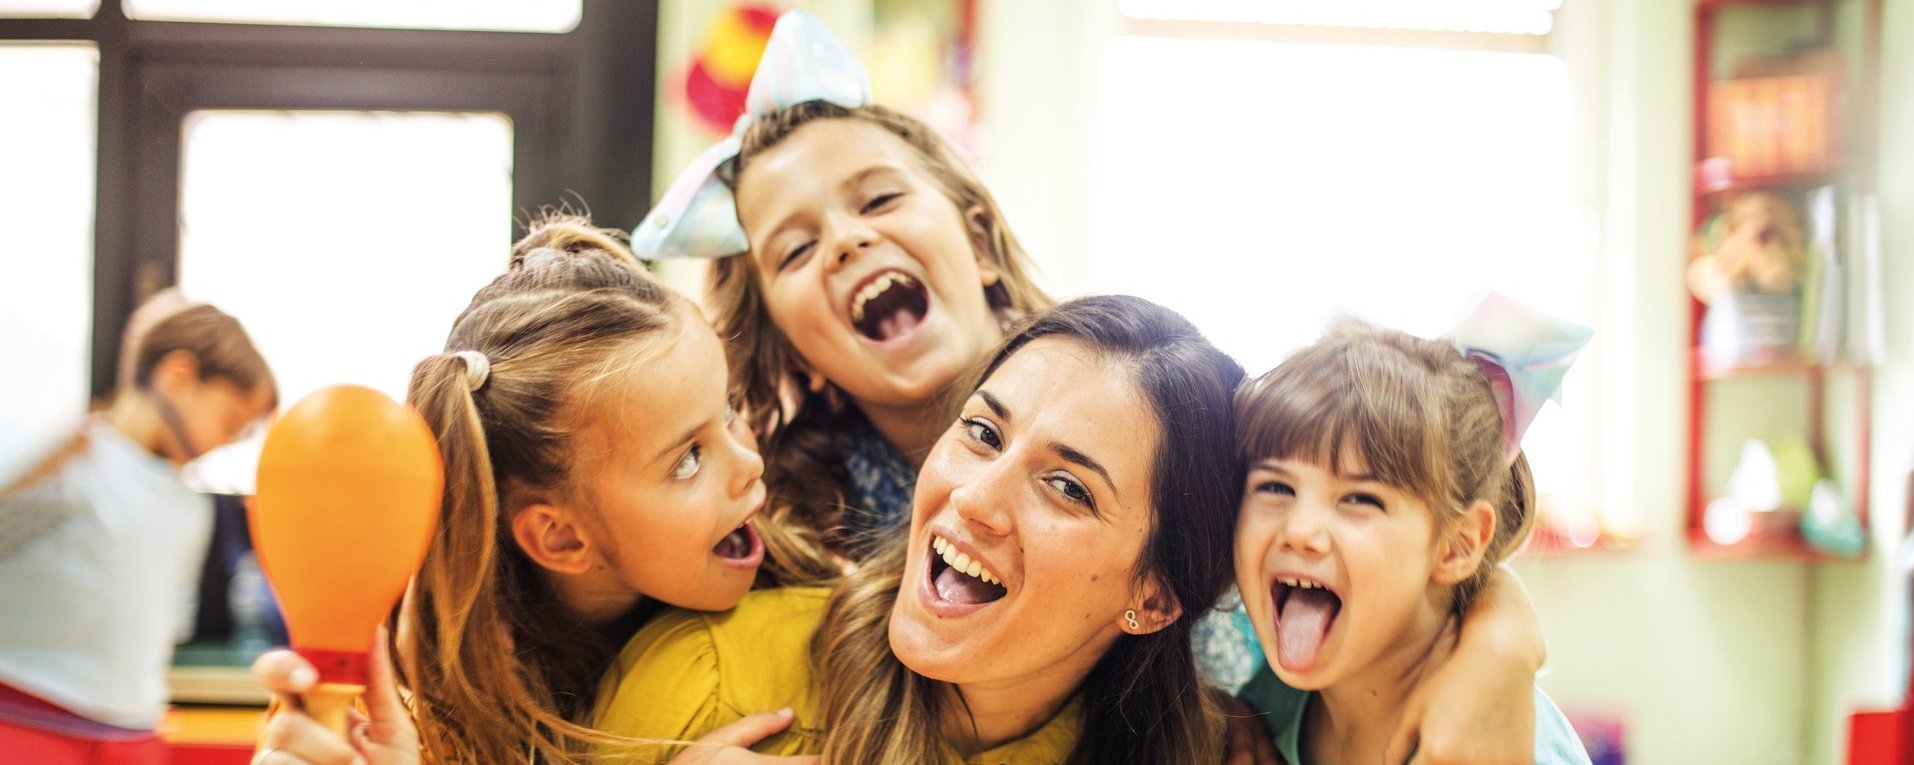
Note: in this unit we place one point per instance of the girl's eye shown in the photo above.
(981, 432)
(795, 253)
(1071, 490)
(1360, 498)
(688, 465)
(1278, 488)
(880, 202)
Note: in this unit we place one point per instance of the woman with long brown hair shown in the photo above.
(1070, 525)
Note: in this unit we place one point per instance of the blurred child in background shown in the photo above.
(101, 542)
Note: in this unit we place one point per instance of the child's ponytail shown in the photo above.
(498, 671)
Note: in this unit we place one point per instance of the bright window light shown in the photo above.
(1263, 187)
(1531, 17)
(49, 9)
(46, 203)
(346, 242)
(480, 15)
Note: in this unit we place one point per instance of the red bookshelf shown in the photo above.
(1783, 105)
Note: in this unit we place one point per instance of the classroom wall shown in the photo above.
(1859, 656)
(1742, 662)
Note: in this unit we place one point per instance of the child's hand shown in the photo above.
(730, 745)
(383, 736)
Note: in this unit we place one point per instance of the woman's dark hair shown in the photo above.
(1143, 701)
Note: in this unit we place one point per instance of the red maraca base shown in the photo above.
(346, 667)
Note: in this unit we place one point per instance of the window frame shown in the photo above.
(580, 103)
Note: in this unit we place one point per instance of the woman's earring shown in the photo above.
(1129, 618)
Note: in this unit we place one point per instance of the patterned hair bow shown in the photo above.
(1524, 353)
(698, 217)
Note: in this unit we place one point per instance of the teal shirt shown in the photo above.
(1282, 707)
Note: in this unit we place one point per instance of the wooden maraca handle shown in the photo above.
(328, 702)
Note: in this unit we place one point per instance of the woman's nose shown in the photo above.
(987, 499)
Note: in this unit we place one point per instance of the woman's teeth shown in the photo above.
(962, 562)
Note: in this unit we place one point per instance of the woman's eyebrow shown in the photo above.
(1073, 455)
(994, 404)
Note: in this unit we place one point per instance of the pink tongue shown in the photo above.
(955, 587)
(1301, 627)
(896, 324)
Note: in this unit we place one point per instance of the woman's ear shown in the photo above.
(551, 537)
(1462, 551)
(1156, 608)
(980, 224)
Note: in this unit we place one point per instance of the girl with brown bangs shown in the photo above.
(1385, 482)
(595, 473)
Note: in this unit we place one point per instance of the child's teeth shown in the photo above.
(875, 288)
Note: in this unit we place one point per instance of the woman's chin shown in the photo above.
(921, 649)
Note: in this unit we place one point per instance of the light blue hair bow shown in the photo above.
(698, 217)
(1524, 353)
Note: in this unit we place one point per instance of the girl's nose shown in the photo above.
(1304, 529)
(846, 237)
(750, 465)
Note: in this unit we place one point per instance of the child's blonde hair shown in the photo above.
(496, 667)
(1418, 415)
(499, 670)
(796, 426)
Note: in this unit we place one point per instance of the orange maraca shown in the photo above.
(348, 498)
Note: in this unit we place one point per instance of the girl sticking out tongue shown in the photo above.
(1384, 482)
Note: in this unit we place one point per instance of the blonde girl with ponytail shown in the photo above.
(595, 473)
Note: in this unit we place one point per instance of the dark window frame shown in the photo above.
(580, 103)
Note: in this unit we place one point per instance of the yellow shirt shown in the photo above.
(687, 673)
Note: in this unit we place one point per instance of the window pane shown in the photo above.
(49, 9)
(1534, 17)
(46, 205)
(346, 242)
(483, 15)
(1263, 187)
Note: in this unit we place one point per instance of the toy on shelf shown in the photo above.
(349, 489)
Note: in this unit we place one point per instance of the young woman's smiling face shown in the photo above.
(1334, 568)
(1030, 516)
(865, 263)
(674, 477)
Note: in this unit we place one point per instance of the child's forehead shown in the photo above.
(1349, 465)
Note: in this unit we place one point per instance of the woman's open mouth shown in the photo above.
(889, 306)
(1305, 611)
(957, 579)
(742, 548)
